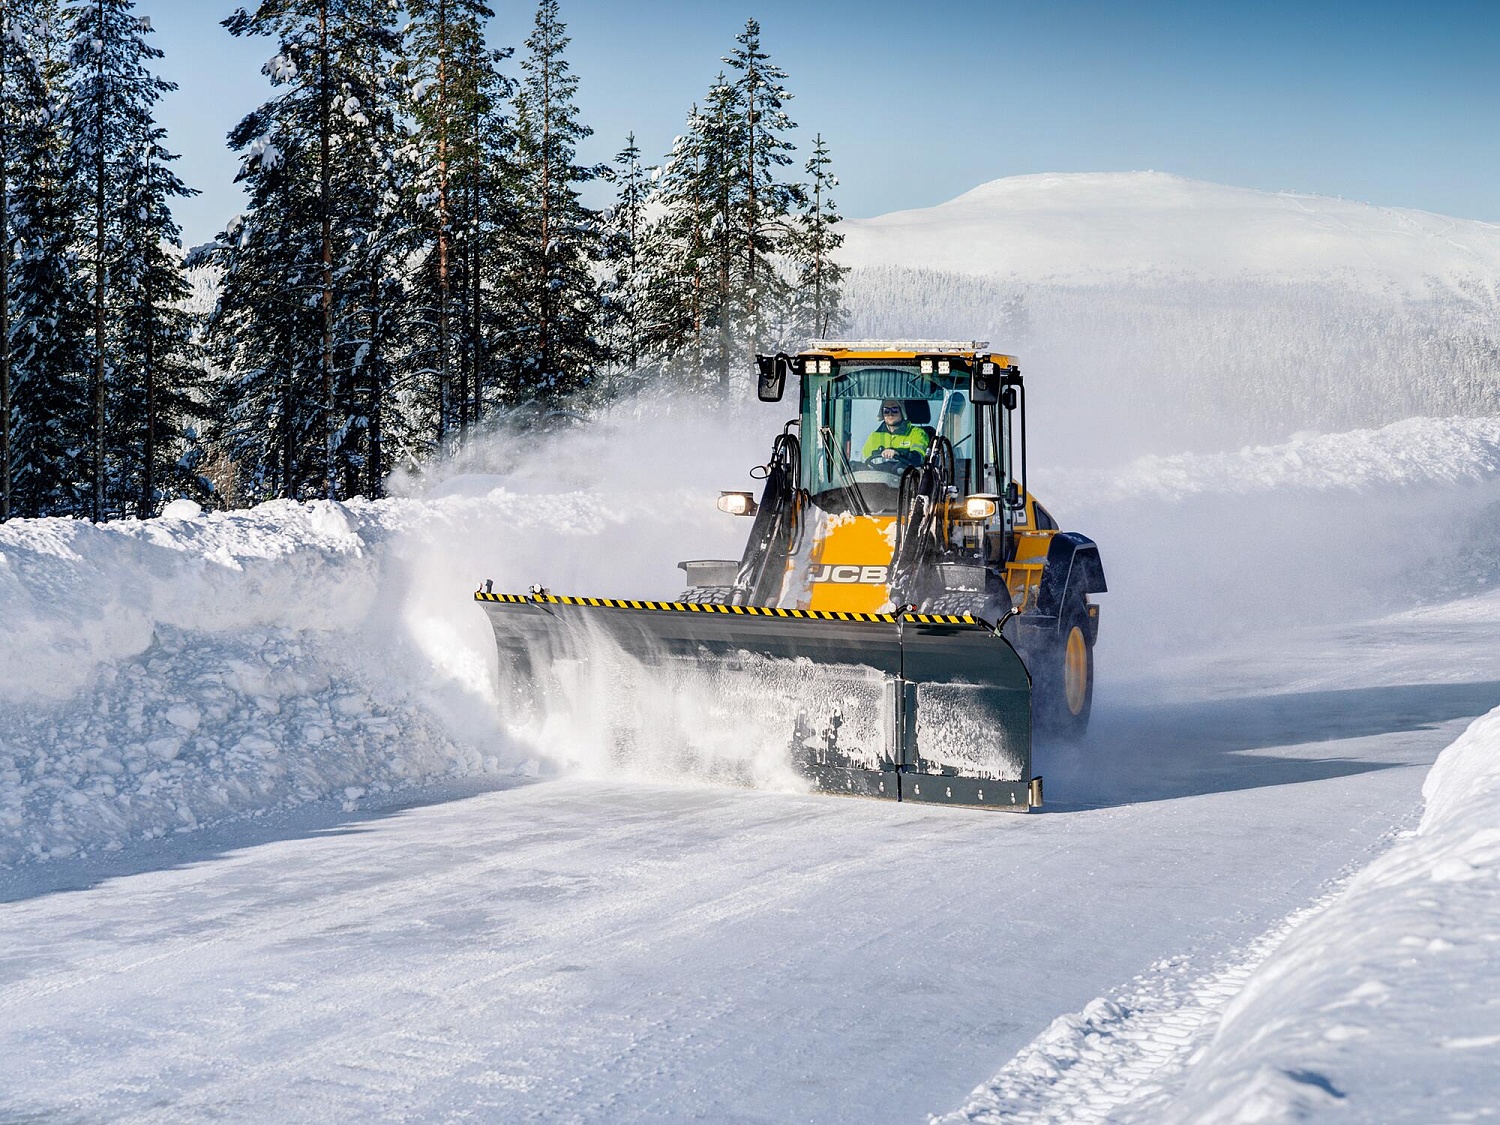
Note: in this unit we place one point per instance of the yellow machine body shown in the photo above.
(850, 562)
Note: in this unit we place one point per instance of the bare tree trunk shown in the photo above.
(99, 201)
(325, 130)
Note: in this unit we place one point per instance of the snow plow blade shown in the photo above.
(908, 707)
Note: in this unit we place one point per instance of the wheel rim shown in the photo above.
(1076, 671)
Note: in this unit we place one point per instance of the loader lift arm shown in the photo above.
(923, 489)
(777, 524)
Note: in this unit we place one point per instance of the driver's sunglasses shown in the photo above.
(892, 410)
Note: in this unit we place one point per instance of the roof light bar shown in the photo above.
(898, 345)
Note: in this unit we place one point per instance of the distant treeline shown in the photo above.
(416, 262)
(1171, 364)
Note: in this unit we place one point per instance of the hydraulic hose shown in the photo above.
(777, 528)
(922, 490)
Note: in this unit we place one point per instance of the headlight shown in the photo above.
(737, 503)
(979, 508)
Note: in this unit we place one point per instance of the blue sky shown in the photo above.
(1392, 103)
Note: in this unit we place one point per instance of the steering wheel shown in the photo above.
(900, 460)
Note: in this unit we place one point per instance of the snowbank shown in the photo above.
(1377, 1003)
(1386, 1005)
(161, 675)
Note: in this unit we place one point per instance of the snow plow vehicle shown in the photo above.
(904, 612)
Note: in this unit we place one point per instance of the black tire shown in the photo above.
(707, 595)
(1063, 688)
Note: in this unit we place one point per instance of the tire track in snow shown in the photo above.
(594, 925)
(359, 1060)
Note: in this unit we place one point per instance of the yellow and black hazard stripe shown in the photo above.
(741, 610)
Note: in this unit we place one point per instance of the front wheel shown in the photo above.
(1064, 693)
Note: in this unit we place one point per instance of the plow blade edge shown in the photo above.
(914, 707)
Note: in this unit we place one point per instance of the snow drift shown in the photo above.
(1377, 1004)
(160, 675)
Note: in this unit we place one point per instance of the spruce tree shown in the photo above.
(556, 348)
(308, 272)
(670, 309)
(626, 228)
(48, 310)
(18, 80)
(488, 187)
(762, 202)
(460, 149)
(817, 295)
(372, 238)
(142, 366)
(716, 290)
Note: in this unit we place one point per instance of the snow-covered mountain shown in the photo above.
(1094, 227)
(1155, 312)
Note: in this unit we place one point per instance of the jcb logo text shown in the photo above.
(850, 574)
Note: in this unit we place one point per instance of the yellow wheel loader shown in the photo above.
(904, 612)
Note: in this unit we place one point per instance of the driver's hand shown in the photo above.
(887, 453)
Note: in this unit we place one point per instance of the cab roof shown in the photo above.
(905, 349)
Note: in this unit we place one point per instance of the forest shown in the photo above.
(416, 264)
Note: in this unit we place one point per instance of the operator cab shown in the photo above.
(843, 388)
(845, 467)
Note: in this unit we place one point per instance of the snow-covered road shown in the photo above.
(597, 950)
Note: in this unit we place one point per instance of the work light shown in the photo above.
(979, 507)
(737, 503)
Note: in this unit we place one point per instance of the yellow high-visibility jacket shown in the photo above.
(907, 438)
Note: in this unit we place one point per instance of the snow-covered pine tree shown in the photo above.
(48, 311)
(625, 226)
(297, 290)
(488, 185)
(725, 239)
(763, 203)
(371, 237)
(556, 347)
(715, 283)
(460, 148)
(18, 79)
(817, 294)
(160, 388)
(672, 289)
(142, 361)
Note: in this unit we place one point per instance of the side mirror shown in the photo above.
(772, 371)
(984, 383)
(1013, 499)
